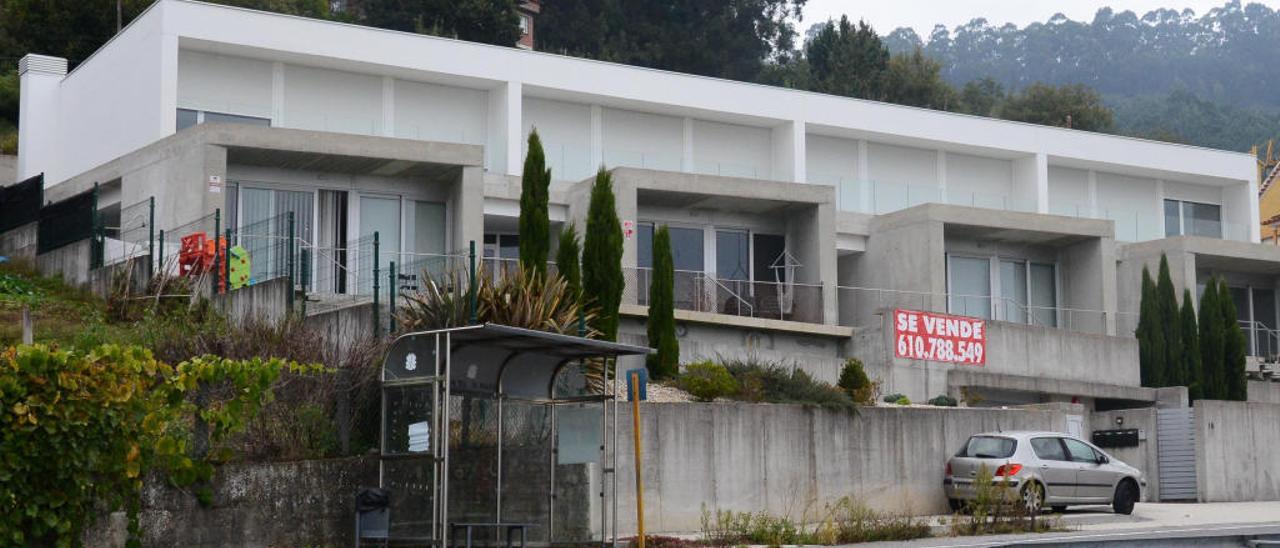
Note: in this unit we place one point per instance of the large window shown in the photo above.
(1183, 218)
(1025, 291)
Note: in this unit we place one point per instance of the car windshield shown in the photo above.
(988, 447)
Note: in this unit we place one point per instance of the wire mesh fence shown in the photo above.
(196, 257)
(127, 231)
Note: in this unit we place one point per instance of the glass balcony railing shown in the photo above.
(700, 292)
(879, 197)
(616, 157)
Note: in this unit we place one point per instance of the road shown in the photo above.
(1157, 523)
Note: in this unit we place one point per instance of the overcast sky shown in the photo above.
(922, 15)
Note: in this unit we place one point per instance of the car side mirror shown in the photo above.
(1102, 459)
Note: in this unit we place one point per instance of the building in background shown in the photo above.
(798, 220)
(528, 11)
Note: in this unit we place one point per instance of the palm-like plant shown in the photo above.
(521, 298)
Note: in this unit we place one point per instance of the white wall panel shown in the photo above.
(1069, 192)
(565, 130)
(979, 182)
(732, 150)
(220, 83)
(1193, 193)
(902, 165)
(431, 112)
(830, 159)
(1133, 204)
(331, 100)
(638, 139)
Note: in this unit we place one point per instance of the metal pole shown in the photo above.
(498, 513)
(96, 250)
(551, 494)
(613, 417)
(226, 261)
(471, 291)
(217, 227)
(305, 256)
(289, 259)
(391, 298)
(151, 237)
(377, 326)
(160, 259)
(635, 432)
(448, 361)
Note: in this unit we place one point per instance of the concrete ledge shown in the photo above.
(802, 328)
(957, 378)
(719, 186)
(1019, 221)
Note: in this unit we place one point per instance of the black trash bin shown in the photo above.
(373, 515)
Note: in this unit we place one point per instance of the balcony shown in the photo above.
(879, 197)
(854, 299)
(700, 292)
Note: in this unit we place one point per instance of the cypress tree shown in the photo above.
(567, 262)
(1234, 382)
(1211, 343)
(1170, 372)
(1150, 334)
(1191, 346)
(535, 221)
(602, 279)
(662, 323)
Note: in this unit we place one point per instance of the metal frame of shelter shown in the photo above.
(492, 362)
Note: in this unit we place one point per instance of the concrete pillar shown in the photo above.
(1031, 181)
(597, 137)
(503, 148)
(467, 202)
(686, 159)
(277, 94)
(788, 152)
(40, 78)
(388, 106)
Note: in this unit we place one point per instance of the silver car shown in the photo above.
(1067, 471)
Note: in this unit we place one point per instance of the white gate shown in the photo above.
(1176, 449)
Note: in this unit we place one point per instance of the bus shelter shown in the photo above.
(491, 424)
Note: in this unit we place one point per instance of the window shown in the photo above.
(988, 447)
(1043, 294)
(969, 281)
(687, 249)
(1183, 218)
(524, 24)
(1013, 290)
(733, 255)
(1080, 452)
(188, 117)
(1049, 449)
(644, 245)
(502, 246)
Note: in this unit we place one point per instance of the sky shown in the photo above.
(922, 15)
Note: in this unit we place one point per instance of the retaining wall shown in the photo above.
(1264, 391)
(787, 459)
(1237, 451)
(19, 242)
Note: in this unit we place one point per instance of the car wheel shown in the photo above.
(956, 505)
(1126, 496)
(1033, 498)
(1059, 508)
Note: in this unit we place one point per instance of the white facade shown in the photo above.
(309, 74)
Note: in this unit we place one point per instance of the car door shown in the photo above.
(1093, 480)
(1055, 469)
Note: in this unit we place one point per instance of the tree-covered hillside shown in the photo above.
(1211, 79)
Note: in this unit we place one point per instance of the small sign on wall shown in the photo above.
(216, 184)
(628, 229)
(939, 337)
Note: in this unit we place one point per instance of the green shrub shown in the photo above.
(903, 401)
(893, 398)
(707, 380)
(854, 381)
(783, 383)
(943, 401)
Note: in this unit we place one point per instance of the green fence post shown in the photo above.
(471, 291)
(304, 257)
(151, 237)
(377, 325)
(391, 298)
(289, 259)
(217, 227)
(95, 234)
(226, 260)
(160, 258)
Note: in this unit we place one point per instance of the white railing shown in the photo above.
(859, 303)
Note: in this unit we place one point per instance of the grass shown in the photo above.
(61, 315)
(845, 522)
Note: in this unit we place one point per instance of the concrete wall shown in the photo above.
(1144, 457)
(20, 242)
(1012, 349)
(303, 503)
(1236, 451)
(1264, 392)
(8, 169)
(69, 262)
(786, 459)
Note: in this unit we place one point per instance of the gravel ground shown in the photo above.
(658, 393)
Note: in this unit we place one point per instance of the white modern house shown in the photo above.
(797, 218)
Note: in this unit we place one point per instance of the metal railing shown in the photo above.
(700, 292)
(1262, 341)
(858, 304)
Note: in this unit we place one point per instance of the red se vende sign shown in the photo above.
(939, 337)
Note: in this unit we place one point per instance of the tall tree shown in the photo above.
(567, 261)
(535, 221)
(665, 363)
(846, 59)
(981, 97)
(1212, 343)
(1151, 354)
(916, 80)
(1075, 106)
(488, 21)
(602, 279)
(1167, 299)
(1191, 346)
(1235, 384)
(708, 37)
